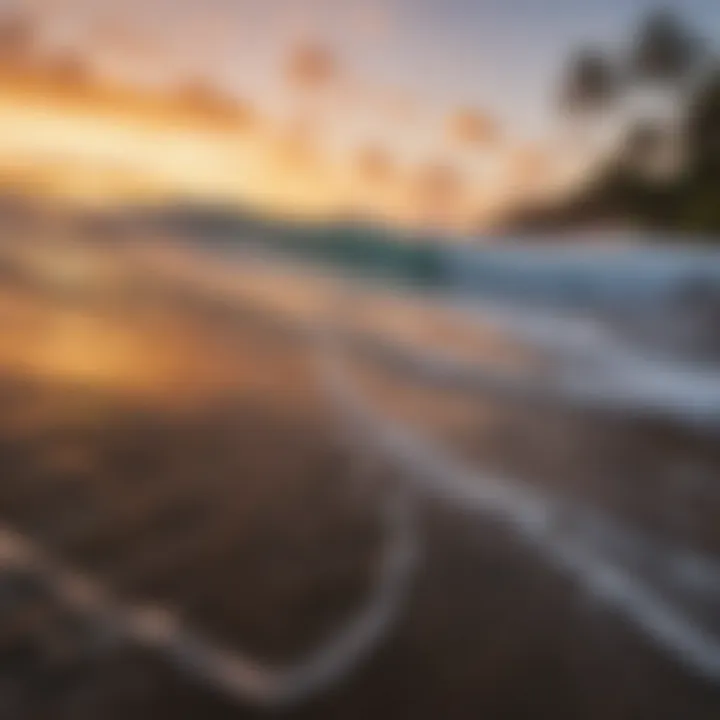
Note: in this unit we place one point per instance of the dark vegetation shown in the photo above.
(664, 173)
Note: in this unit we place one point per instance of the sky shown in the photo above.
(400, 70)
(500, 54)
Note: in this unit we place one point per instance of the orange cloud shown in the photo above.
(311, 67)
(438, 194)
(375, 165)
(528, 165)
(74, 131)
(294, 151)
(204, 101)
(18, 39)
(470, 127)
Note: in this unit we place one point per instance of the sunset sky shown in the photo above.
(370, 106)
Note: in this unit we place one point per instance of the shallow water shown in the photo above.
(216, 494)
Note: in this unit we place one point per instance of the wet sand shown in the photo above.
(202, 467)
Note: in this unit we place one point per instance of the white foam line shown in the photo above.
(236, 675)
(629, 384)
(534, 517)
(687, 570)
(627, 388)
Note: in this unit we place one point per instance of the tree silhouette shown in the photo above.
(665, 50)
(591, 84)
(704, 131)
(665, 170)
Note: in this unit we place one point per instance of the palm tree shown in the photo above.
(650, 151)
(704, 130)
(667, 56)
(665, 51)
(591, 84)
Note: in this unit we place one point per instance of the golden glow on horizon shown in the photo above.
(138, 102)
(98, 150)
(78, 152)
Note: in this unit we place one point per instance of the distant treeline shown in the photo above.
(665, 172)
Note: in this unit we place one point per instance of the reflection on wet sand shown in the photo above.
(176, 444)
